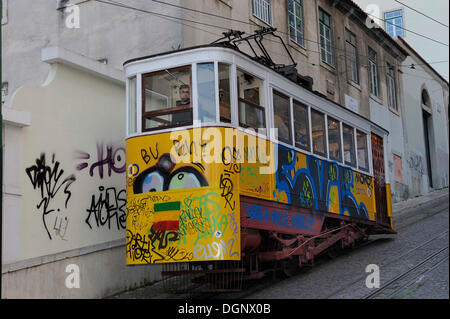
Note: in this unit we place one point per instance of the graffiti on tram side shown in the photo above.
(162, 177)
(310, 182)
(283, 218)
(276, 217)
(182, 229)
(49, 179)
(180, 211)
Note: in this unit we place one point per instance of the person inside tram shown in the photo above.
(185, 100)
(185, 95)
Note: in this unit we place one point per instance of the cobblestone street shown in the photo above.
(422, 232)
(412, 264)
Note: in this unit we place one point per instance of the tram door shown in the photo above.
(379, 177)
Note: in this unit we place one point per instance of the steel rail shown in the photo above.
(390, 282)
(389, 263)
(393, 294)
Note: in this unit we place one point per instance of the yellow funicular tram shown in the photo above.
(236, 167)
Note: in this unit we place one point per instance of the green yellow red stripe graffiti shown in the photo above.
(166, 216)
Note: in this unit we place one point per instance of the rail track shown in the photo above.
(385, 264)
(390, 288)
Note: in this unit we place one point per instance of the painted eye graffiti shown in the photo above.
(152, 182)
(183, 178)
(158, 178)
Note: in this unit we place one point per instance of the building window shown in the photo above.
(318, 133)
(224, 93)
(373, 72)
(167, 99)
(261, 10)
(391, 87)
(250, 101)
(296, 32)
(363, 155)
(282, 116)
(326, 44)
(349, 145)
(394, 23)
(301, 126)
(206, 92)
(334, 139)
(352, 56)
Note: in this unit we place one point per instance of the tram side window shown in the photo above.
(334, 139)
(301, 126)
(206, 92)
(282, 116)
(318, 133)
(132, 105)
(349, 145)
(167, 99)
(224, 93)
(363, 158)
(250, 101)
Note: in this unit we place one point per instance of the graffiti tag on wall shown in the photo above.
(113, 160)
(49, 179)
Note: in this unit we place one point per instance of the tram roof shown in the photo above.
(227, 46)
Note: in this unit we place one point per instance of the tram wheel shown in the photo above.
(333, 251)
(289, 267)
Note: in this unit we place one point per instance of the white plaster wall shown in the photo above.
(415, 153)
(70, 118)
(73, 114)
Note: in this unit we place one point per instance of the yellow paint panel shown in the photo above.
(179, 211)
(172, 168)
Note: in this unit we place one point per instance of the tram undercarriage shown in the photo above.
(267, 252)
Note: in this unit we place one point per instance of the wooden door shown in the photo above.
(379, 180)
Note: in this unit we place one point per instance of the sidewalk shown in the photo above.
(402, 207)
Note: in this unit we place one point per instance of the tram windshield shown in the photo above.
(167, 99)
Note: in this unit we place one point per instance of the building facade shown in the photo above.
(64, 113)
(426, 121)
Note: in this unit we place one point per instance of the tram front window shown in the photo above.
(206, 92)
(167, 99)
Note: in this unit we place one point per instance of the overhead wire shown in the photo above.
(420, 12)
(174, 19)
(413, 32)
(252, 24)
